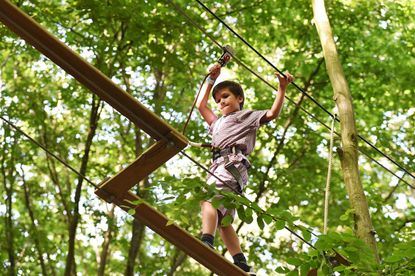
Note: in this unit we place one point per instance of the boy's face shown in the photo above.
(227, 101)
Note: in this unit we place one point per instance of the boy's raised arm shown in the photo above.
(202, 100)
(275, 110)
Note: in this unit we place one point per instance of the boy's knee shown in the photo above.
(207, 207)
(205, 204)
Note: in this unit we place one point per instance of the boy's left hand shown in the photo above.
(214, 71)
(284, 81)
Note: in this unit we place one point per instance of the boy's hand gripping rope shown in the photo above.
(228, 52)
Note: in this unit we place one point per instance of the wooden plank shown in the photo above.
(176, 235)
(155, 156)
(88, 75)
(170, 141)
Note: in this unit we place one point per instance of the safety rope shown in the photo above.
(195, 24)
(194, 104)
(299, 88)
(287, 228)
(327, 192)
(97, 187)
(161, 136)
(48, 152)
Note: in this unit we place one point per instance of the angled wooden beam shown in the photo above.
(158, 154)
(175, 235)
(169, 140)
(85, 73)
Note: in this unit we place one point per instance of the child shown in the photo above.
(234, 136)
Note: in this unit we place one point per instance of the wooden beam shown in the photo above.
(34, 34)
(170, 141)
(175, 235)
(158, 154)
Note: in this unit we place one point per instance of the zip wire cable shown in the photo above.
(264, 58)
(48, 152)
(97, 187)
(184, 14)
(299, 88)
(291, 231)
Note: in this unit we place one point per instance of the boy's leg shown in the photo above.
(209, 218)
(209, 222)
(230, 239)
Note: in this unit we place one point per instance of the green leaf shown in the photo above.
(273, 211)
(305, 269)
(339, 268)
(293, 273)
(322, 244)
(169, 222)
(279, 224)
(344, 217)
(243, 200)
(347, 215)
(248, 219)
(267, 218)
(226, 221)
(241, 212)
(306, 233)
(282, 270)
(131, 212)
(393, 258)
(216, 202)
(184, 219)
(256, 207)
(260, 222)
(294, 261)
(248, 212)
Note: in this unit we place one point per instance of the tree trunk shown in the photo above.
(138, 227)
(9, 177)
(93, 121)
(34, 232)
(103, 257)
(178, 259)
(136, 239)
(348, 152)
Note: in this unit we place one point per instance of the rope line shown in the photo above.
(49, 152)
(209, 172)
(261, 56)
(97, 187)
(178, 9)
(193, 105)
(194, 161)
(299, 88)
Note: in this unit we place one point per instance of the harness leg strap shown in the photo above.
(231, 168)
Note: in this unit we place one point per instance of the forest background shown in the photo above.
(52, 223)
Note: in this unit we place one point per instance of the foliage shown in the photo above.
(152, 52)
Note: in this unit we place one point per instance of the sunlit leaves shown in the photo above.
(160, 59)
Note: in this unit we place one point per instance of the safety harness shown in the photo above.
(229, 165)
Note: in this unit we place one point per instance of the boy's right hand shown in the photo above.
(214, 71)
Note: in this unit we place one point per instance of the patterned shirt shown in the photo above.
(237, 129)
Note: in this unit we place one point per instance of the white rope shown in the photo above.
(327, 193)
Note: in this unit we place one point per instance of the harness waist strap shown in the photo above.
(225, 152)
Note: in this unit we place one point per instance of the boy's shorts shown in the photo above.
(219, 170)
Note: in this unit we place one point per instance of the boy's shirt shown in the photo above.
(236, 129)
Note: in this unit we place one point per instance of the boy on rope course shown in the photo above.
(233, 138)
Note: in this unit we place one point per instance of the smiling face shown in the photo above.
(227, 101)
